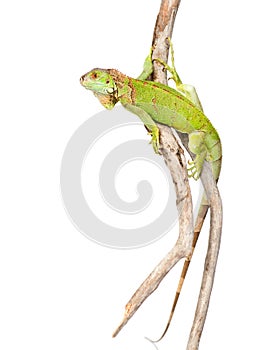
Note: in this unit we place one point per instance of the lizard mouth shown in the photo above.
(82, 79)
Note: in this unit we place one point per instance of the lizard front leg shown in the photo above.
(147, 67)
(149, 124)
(187, 90)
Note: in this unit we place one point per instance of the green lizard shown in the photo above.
(155, 102)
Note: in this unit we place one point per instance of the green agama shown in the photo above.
(154, 102)
(158, 103)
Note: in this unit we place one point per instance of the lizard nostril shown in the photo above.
(81, 79)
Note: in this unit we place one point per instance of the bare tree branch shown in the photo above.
(175, 160)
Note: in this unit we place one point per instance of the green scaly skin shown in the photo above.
(155, 102)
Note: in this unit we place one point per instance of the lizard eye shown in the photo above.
(94, 75)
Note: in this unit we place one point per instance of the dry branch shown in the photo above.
(175, 160)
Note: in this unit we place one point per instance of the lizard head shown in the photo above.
(102, 84)
(99, 80)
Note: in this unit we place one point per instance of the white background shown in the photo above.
(58, 289)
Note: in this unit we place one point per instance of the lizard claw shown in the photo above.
(193, 170)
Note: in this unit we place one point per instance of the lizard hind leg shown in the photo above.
(197, 147)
